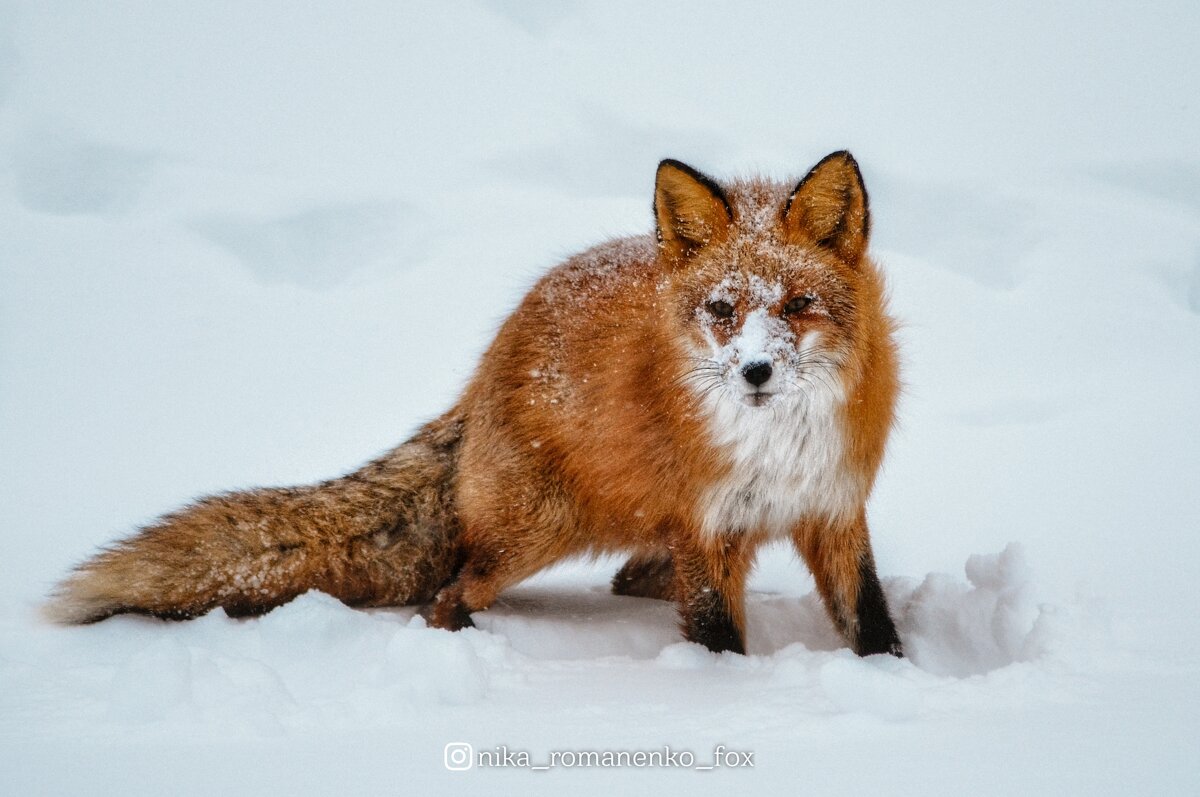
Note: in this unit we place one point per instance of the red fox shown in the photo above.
(682, 397)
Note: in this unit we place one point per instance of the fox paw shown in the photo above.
(449, 612)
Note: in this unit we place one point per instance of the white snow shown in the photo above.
(257, 243)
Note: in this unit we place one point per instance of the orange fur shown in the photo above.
(609, 415)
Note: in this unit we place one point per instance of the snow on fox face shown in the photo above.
(765, 347)
(756, 339)
(764, 319)
(766, 326)
(768, 329)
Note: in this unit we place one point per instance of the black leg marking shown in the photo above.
(876, 632)
(707, 620)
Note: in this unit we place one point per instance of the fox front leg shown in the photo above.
(840, 558)
(710, 587)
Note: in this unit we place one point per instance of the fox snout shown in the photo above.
(757, 373)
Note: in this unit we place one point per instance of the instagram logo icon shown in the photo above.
(459, 756)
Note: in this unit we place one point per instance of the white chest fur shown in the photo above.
(787, 464)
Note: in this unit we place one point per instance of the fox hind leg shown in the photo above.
(489, 566)
(484, 573)
(646, 575)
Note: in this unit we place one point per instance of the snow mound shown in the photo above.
(316, 663)
(952, 628)
(313, 660)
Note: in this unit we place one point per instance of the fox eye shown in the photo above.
(798, 304)
(721, 309)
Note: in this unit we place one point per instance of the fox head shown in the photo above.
(764, 280)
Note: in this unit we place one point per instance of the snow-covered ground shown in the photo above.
(257, 243)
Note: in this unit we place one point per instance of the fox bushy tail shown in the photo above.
(383, 535)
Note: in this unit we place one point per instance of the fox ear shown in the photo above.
(829, 208)
(690, 209)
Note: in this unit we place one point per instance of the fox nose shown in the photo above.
(757, 374)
